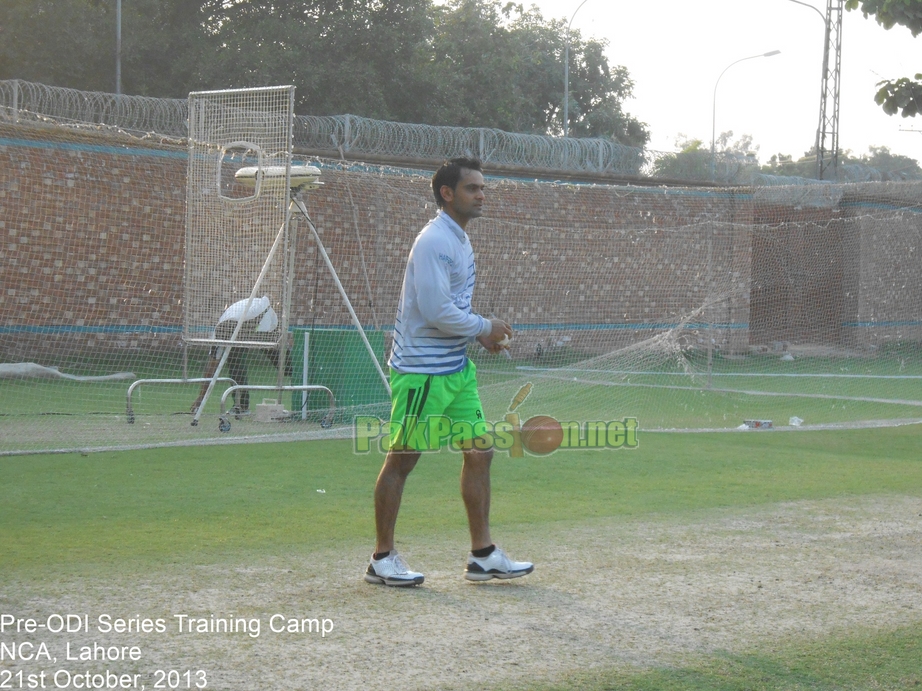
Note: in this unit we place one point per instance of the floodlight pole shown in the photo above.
(829, 95)
(566, 75)
(714, 105)
(825, 122)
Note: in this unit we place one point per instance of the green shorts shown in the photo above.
(429, 411)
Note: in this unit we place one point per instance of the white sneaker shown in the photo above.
(497, 565)
(392, 570)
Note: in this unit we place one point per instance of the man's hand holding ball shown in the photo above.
(499, 338)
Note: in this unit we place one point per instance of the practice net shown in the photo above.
(680, 308)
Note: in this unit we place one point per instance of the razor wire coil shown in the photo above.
(342, 135)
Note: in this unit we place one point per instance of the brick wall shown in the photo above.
(92, 231)
(886, 269)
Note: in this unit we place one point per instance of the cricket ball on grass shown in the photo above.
(541, 435)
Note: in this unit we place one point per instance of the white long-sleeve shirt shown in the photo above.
(434, 319)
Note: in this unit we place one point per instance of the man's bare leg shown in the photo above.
(486, 561)
(475, 490)
(388, 493)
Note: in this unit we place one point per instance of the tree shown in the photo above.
(500, 65)
(892, 166)
(71, 43)
(891, 12)
(878, 164)
(345, 56)
(733, 161)
(785, 165)
(902, 95)
(692, 162)
(478, 63)
(597, 92)
(58, 42)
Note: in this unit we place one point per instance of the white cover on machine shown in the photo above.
(269, 322)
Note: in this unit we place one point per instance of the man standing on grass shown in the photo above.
(432, 376)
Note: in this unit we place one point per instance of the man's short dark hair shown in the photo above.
(449, 173)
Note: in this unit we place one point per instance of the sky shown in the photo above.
(676, 50)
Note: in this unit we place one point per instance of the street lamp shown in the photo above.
(566, 76)
(811, 7)
(714, 106)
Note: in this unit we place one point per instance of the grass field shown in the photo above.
(693, 394)
(47, 414)
(758, 560)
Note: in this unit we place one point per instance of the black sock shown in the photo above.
(380, 555)
(484, 552)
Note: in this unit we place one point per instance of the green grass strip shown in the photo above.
(880, 660)
(206, 503)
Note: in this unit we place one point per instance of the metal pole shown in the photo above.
(118, 47)
(566, 76)
(829, 96)
(16, 100)
(820, 128)
(714, 104)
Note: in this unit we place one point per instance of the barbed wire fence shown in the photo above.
(359, 138)
(356, 138)
(22, 101)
